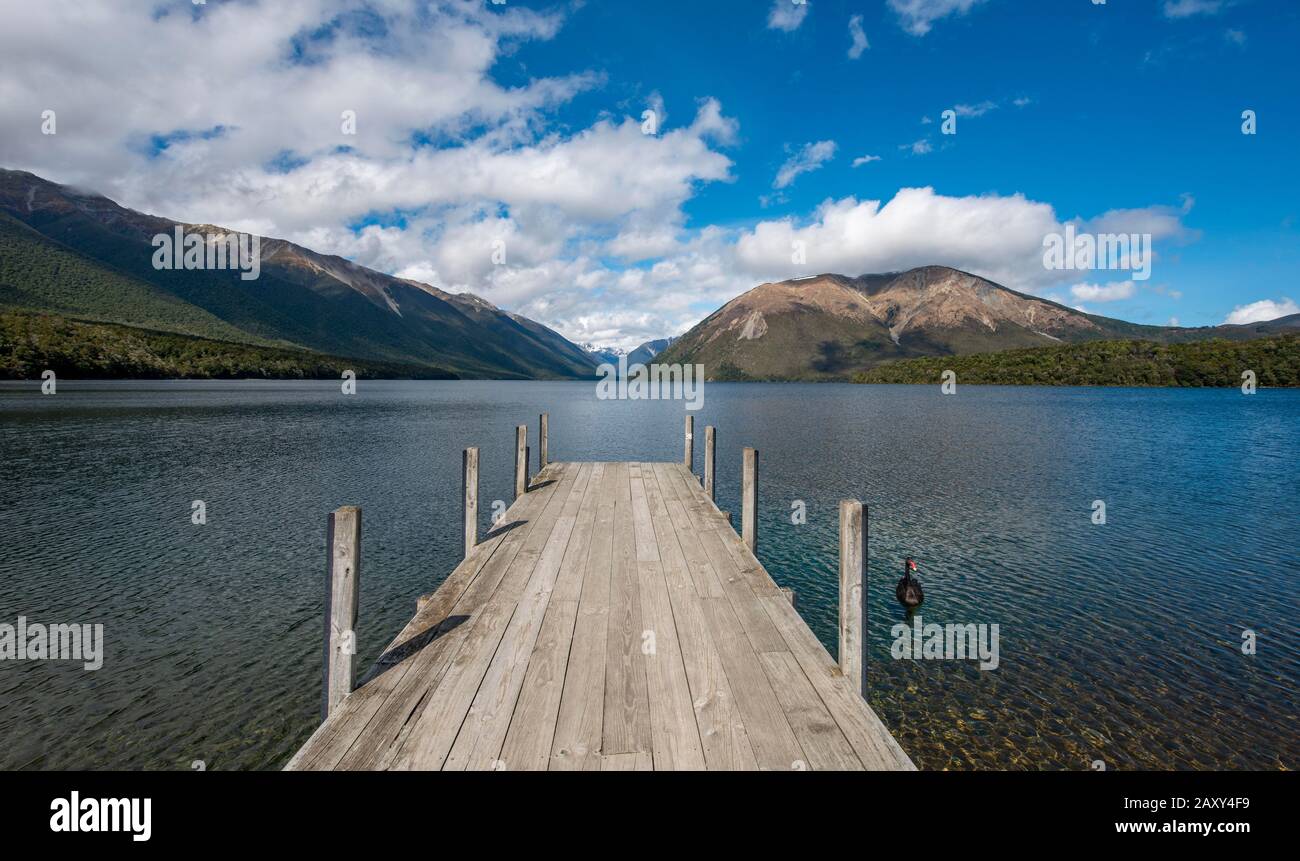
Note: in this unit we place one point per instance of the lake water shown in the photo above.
(1119, 643)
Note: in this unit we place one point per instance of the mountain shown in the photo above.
(647, 351)
(602, 355)
(79, 254)
(833, 326)
(641, 355)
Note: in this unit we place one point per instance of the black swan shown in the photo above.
(909, 590)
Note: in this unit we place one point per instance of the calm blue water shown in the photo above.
(1118, 642)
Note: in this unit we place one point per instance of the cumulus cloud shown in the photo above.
(806, 159)
(1262, 311)
(858, 38)
(996, 236)
(1112, 292)
(918, 16)
(786, 15)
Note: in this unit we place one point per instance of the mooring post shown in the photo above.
(749, 500)
(789, 596)
(343, 570)
(689, 457)
(521, 460)
(727, 514)
(469, 488)
(710, 461)
(853, 594)
(543, 428)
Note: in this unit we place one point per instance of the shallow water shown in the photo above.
(1118, 642)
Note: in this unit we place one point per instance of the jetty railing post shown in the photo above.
(521, 460)
(749, 500)
(710, 461)
(469, 487)
(853, 594)
(543, 431)
(689, 457)
(343, 543)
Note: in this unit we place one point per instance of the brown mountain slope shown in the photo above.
(831, 326)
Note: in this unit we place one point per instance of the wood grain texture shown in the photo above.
(611, 621)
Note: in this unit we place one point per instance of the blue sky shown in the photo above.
(520, 123)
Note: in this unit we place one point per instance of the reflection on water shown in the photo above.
(1119, 642)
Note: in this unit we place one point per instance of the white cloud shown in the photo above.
(786, 15)
(1112, 292)
(975, 110)
(1187, 8)
(858, 36)
(1173, 321)
(808, 158)
(920, 147)
(1263, 310)
(865, 159)
(1236, 37)
(996, 236)
(918, 16)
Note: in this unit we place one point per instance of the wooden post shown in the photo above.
(853, 593)
(543, 429)
(343, 544)
(727, 514)
(710, 461)
(789, 595)
(749, 500)
(521, 460)
(469, 488)
(689, 458)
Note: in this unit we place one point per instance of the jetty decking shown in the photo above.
(614, 620)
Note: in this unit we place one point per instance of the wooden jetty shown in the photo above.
(612, 620)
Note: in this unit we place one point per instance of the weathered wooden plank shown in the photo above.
(469, 497)
(853, 598)
(521, 460)
(343, 579)
(532, 726)
(543, 438)
(433, 731)
(775, 746)
(384, 737)
(868, 736)
(820, 737)
(530, 655)
(627, 708)
(478, 744)
(578, 726)
(418, 646)
(673, 729)
(722, 732)
(749, 499)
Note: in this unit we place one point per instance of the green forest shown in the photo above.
(32, 343)
(1218, 362)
